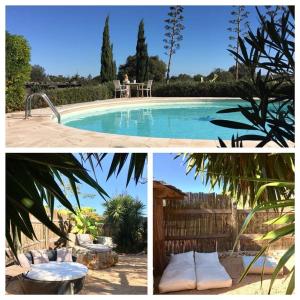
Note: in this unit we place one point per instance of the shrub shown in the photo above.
(79, 94)
(18, 69)
(197, 89)
(75, 95)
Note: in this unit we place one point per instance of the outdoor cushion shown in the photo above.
(179, 274)
(83, 239)
(206, 259)
(267, 265)
(57, 271)
(40, 256)
(182, 257)
(23, 260)
(52, 254)
(97, 247)
(29, 257)
(64, 254)
(210, 273)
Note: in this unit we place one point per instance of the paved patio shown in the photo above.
(41, 130)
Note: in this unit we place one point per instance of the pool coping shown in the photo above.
(42, 129)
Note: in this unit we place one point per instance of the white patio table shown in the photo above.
(137, 85)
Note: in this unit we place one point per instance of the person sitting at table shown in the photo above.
(126, 81)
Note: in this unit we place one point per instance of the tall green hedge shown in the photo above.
(77, 95)
(17, 58)
(197, 89)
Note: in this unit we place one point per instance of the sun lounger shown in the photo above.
(210, 273)
(263, 263)
(179, 274)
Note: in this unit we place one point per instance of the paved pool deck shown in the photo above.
(41, 130)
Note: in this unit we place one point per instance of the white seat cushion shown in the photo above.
(206, 259)
(64, 254)
(179, 274)
(97, 247)
(210, 273)
(39, 256)
(212, 278)
(268, 264)
(57, 271)
(83, 239)
(23, 260)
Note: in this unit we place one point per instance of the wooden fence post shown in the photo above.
(235, 226)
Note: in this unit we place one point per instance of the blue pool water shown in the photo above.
(179, 121)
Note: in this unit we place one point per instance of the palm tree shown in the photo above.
(124, 215)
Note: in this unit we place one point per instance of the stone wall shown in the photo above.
(95, 260)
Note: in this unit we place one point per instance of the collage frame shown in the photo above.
(115, 146)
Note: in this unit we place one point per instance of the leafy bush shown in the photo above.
(124, 216)
(79, 94)
(17, 70)
(87, 221)
(197, 89)
(76, 95)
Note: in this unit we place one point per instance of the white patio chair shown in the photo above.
(119, 88)
(147, 88)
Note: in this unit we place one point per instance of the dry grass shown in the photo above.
(251, 285)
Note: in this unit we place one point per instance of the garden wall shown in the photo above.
(204, 222)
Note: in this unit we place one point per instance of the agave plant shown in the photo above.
(264, 182)
(268, 53)
(35, 180)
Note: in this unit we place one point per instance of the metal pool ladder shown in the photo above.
(46, 99)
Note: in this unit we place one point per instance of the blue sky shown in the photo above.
(113, 186)
(173, 171)
(67, 39)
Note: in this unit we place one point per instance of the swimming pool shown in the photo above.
(187, 120)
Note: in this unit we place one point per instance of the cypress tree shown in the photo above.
(108, 71)
(141, 55)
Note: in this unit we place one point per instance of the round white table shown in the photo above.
(65, 272)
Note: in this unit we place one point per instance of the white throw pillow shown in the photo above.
(64, 254)
(187, 257)
(23, 260)
(84, 239)
(207, 259)
(40, 256)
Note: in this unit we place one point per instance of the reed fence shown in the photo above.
(206, 222)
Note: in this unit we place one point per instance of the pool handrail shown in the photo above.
(46, 99)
